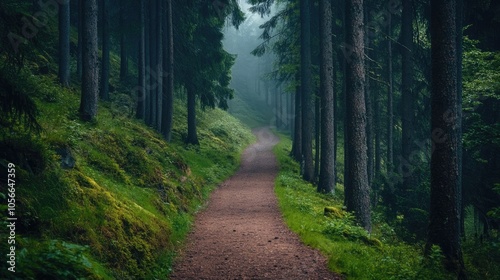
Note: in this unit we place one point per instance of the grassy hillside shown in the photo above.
(124, 207)
(321, 222)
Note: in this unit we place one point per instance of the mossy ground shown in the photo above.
(124, 209)
(351, 251)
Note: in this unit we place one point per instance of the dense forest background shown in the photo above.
(113, 114)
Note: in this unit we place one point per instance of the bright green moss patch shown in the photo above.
(321, 222)
(123, 210)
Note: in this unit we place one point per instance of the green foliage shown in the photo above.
(495, 212)
(482, 258)
(128, 203)
(17, 109)
(481, 84)
(350, 249)
(55, 259)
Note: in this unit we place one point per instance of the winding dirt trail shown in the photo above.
(241, 234)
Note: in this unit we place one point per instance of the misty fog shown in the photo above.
(254, 91)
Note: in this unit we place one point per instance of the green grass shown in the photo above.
(350, 250)
(123, 211)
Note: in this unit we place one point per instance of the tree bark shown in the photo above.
(297, 131)
(80, 43)
(64, 55)
(407, 109)
(378, 149)
(390, 114)
(317, 134)
(444, 227)
(105, 51)
(90, 73)
(358, 200)
(147, 64)
(168, 77)
(192, 137)
(306, 89)
(369, 114)
(123, 44)
(159, 63)
(141, 91)
(459, 24)
(327, 168)
(153, 63)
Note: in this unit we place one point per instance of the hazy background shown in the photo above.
(252, 102)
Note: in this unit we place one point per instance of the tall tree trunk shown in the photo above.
(192, 137)
(141, 92)
(105, 51)
(407, 109)
(369, 112)
(459, 24)
(444, 227)
(358, 200)
(147, 63)
(327, 173)
(90, 71)
(317, 134)
(378, 149)
(277, 107)
(123, 44)
(335, 125)
(64, 55)
(153, 62)
(168, 77)
(306, 90)
(297, 131)
(159, 63)
(80, 43)
(390, 114)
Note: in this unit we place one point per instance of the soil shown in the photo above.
(241, 233)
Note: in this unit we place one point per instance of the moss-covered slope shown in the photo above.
(123, 208)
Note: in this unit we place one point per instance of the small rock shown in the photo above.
(67, 159)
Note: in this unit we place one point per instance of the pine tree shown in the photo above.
(64, 55)
(306, 90)
(357, 188)
(444, 228)
(326, 182)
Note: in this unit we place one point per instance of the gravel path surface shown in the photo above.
(241, 234)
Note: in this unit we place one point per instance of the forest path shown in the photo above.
(241, 234)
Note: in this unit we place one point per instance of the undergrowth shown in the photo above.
(123, 209)
(322, 223)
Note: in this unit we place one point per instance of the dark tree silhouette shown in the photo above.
(64, 56)
(192, 136)
(326, 182)
(357, 188)
(306, 89)
(408, 100)
(90, 71)
(444, 228)
(168, 68)
(141, 90)
(106, 46)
